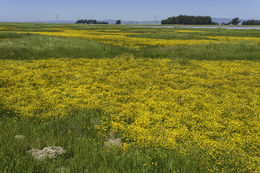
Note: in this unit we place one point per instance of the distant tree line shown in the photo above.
(85, 21)
(234, 21)
(190, 20)
(251, 22)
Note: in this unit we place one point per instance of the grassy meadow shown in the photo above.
(179, 99)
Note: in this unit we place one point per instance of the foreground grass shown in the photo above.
(86, 151)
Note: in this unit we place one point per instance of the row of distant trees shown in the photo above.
(85, 21)
(190, 20)
(204, 20)
(251, 22)
(236, 21)
(184, 19)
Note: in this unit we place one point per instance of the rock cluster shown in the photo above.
(47, 152)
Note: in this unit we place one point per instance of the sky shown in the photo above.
(138, 10)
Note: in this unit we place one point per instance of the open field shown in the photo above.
(180, 100)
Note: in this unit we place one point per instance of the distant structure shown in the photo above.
(155, 20)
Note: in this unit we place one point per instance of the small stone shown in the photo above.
(19, 137)
(37, 154)
(47, 152)
(113, 142)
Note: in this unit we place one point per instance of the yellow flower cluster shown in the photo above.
(123, 39)
(204, 108)
(126, 39)
(235, 39)
(7, 27)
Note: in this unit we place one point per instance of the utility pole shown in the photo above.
(57, 18)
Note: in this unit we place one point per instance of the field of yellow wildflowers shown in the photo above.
(201, 114)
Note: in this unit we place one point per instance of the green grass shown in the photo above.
(85, 149)
(242, 51)
(31, 46)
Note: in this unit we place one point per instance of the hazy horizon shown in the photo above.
(33, 10)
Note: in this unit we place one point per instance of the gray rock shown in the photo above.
(47, 152)
(113, 142)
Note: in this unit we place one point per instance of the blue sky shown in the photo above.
(28, 10)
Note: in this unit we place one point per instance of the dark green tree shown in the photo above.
(118, 22)
(81, 21)
(189, 20)
(235, 21)
(251, 22)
